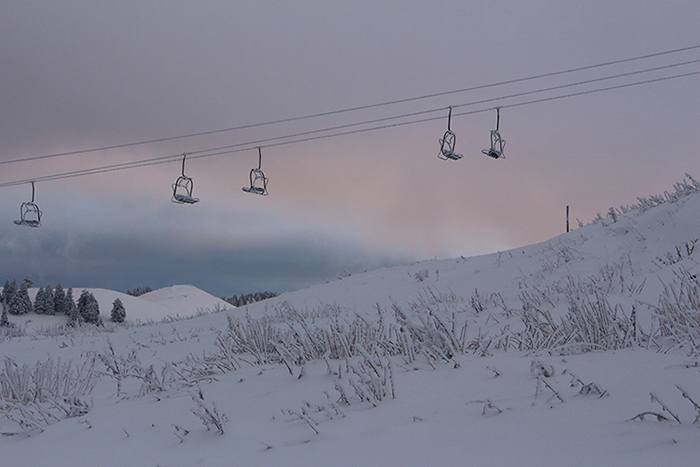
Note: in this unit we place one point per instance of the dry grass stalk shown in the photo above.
(695, 404)
(655, 398)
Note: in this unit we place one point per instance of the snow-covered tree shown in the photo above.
(138, 291)
(48, 301)
(14, 304)
(8, 291)
(40, 302)
(71, 309)
(59, 300)
(88, 308)
(3, 319)
(20, 303)
(118, 312)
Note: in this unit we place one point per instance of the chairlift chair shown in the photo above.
(498, 144)
(447, 143)
(258, 180)
(182, 188)
(30, 214)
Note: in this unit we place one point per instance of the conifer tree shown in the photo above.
(88, 308)
(71, 309)
(21, 303)
(59, 300)
(4, 322)
(118, 312)
(8, 291)
(14, 304)
(40, 302)
(49, 305)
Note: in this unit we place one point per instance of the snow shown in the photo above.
(175, 302)
(483, 406)
(182, 300)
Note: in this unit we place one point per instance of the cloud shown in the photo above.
(221, 261)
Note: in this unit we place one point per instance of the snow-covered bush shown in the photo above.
(678, 312)
(33, 396)
(590, 322)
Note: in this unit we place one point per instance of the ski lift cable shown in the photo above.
(471, 112)
(97, 170)
(357, 108)
(440, 109)
(173, 158)
(246, 145)
(592, 91)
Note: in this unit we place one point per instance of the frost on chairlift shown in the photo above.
(30, 214)
(447, 143)
(498, 144)
(258, 180)
(182, 188)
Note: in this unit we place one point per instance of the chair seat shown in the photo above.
(492, 153)
(254, 189)
(185, 199)
(28, 223)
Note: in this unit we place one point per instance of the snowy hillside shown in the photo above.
(183, 301)
(581, 350)
(175, 302)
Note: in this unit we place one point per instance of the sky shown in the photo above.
(79, 75)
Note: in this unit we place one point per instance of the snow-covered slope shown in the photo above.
(185, 300)
(639, 251)
(491, 360)
(177, 301)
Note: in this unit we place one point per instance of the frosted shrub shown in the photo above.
(291, 339)
(590, 323)
(678, 312)
(209, 415)
(45, 380)
(34, 396)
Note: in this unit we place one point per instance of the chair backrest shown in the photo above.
(447, 147)
(30, 215)
(182, 190)
(258, 182)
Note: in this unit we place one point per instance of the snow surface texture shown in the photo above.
(579, 351)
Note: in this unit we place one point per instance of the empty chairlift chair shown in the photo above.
(30, 214)
(182, 188)
(498, 144)
(447, 143)
(258, 180)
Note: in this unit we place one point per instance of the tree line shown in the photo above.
(15, 300)
(243, 300)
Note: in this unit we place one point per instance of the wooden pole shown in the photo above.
(567, 218)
